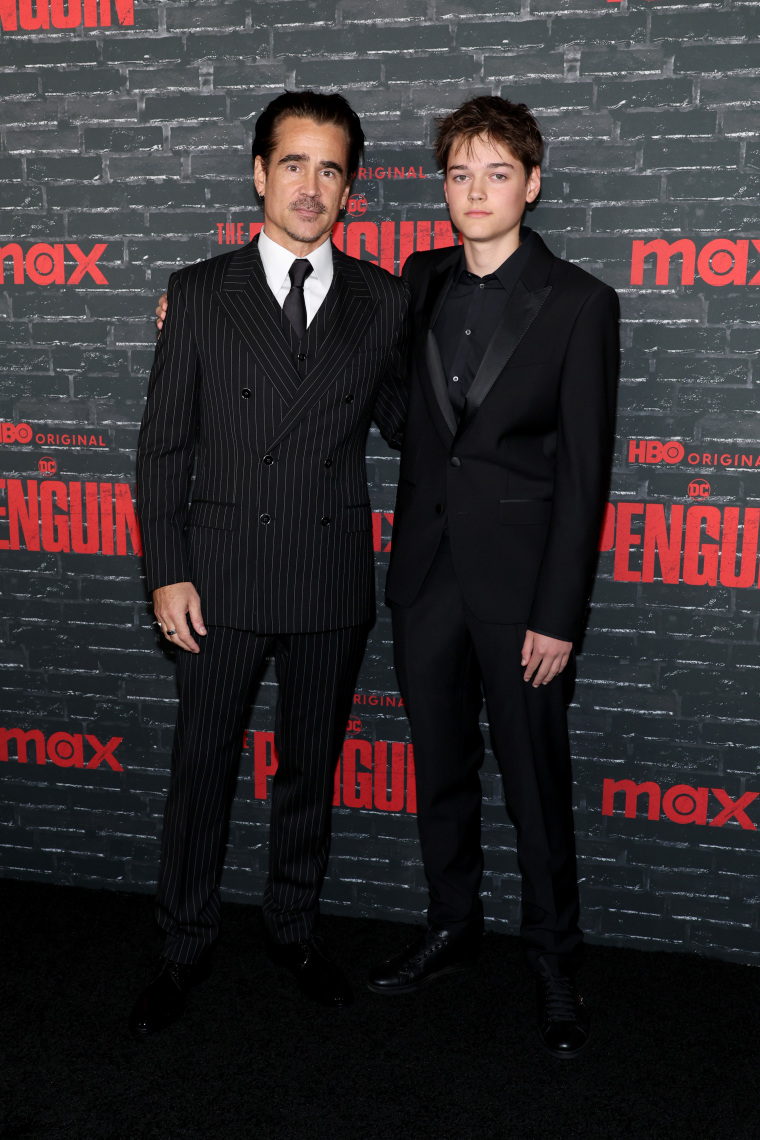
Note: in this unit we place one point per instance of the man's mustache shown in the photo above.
(312, 204)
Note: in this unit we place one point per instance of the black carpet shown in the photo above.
(674, 1052)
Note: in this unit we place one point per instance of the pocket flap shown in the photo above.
(220, 516)
(530, 511)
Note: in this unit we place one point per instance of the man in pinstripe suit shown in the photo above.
(271, 364)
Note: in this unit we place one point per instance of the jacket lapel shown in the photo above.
(352, 307)
(437, 386)
(247, 300)
(522, 309)
(429, 358)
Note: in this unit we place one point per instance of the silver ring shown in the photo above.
(171, 632)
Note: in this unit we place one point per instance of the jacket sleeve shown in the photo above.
(585, 439)
(166, 446)
(392, 399)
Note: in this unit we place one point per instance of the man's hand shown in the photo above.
(172, 605)
(544, 656)
(161, 307)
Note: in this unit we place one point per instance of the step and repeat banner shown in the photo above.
(126, 133)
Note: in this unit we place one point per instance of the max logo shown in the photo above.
(32, 17)
(44, 264)
(720, 261)
(63, 748)
(681, 803)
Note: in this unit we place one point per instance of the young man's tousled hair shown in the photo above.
(323, 109)
(497, 120)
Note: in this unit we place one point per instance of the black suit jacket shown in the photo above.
(278, 536)
(521, 480)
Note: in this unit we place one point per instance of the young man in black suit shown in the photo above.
(503, 480)
(272, 362)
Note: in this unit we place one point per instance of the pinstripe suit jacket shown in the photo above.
(277, 538)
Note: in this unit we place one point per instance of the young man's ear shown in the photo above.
(533, 184)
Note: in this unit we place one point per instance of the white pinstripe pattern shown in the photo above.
(225, 397)
(316, 673)
(222, 336)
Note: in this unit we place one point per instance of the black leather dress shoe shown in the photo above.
(436, 953)
(318, 977)
(563, 1020)
(163, 1000)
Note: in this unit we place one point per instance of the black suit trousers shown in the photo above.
(316, 674)
(447, 660)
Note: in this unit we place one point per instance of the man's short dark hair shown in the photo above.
(323, 109)
(498, 120)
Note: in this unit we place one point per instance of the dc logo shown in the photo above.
(47, 466)
(357, 204)
(699, 489)
(354, 725)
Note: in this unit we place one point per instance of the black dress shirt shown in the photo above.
(469, 317)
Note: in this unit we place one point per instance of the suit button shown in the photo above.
(328, 463)
(301, 356)
(456, 461)
(439, 508)
(265, 519)
(325, 521)
(267, 459)
(349, 399)
(246, 393)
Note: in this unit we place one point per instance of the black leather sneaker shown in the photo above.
(434, 954)
(563, 1020)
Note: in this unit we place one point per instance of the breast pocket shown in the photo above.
(531, 357)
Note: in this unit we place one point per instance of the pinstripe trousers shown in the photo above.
(316, 673)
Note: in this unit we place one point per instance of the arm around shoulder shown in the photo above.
(393, 397)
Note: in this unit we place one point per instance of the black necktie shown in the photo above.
(294, 306)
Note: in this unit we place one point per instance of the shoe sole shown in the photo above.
(413, 987)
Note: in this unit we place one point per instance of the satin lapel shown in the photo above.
(429, 358)
(249, 303)
(437, 385)
(522, 309)
(352, 307)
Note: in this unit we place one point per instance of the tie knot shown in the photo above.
(299, 271)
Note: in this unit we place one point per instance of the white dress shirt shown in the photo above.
(277, 262)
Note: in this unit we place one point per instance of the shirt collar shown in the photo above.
(509, 270)
(277, 261)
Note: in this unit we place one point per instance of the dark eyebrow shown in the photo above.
(490, 166)
(326, 164)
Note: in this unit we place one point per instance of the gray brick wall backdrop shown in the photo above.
(125, 153)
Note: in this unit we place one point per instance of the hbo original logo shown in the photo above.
(15, 433)
(652, 451)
